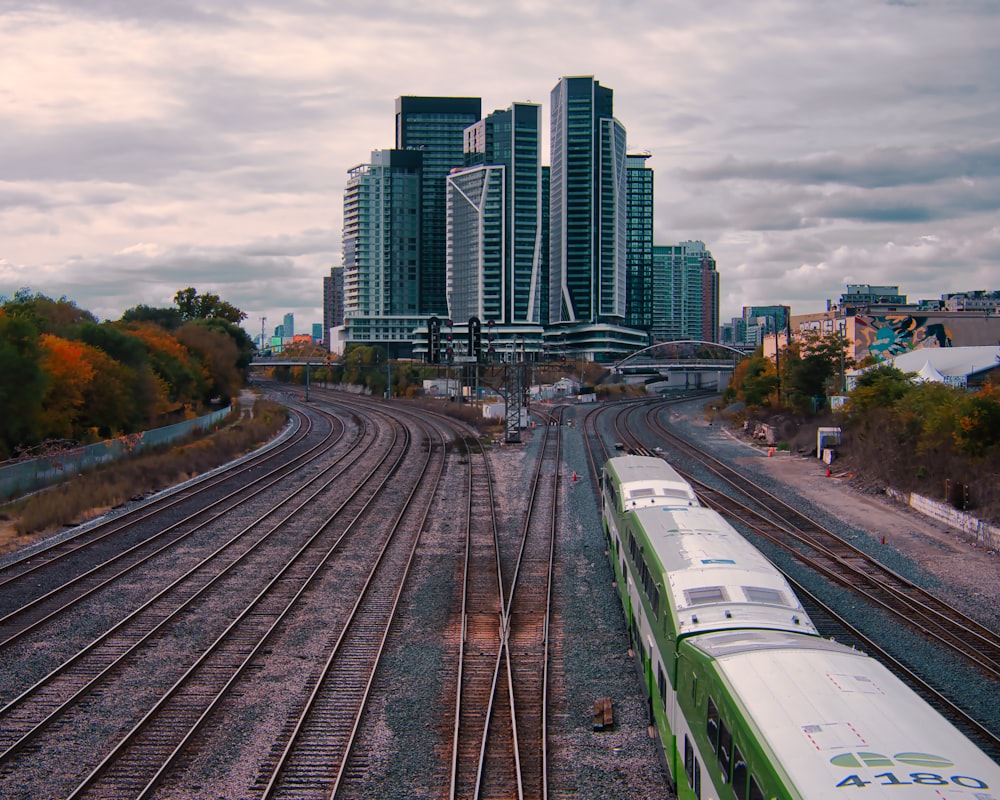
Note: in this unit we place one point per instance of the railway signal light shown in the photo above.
(434, 340)
(475, 343)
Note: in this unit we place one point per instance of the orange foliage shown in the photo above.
(70, 373)
(158, 340)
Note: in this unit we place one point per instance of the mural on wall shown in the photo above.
(890, 335)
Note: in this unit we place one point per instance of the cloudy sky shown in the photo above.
(151, 145)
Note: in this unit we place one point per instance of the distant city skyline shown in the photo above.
(809, 146)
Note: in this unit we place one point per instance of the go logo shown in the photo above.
(860, 759)
(922, 761)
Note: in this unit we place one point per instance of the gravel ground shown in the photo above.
(590, 655)
(622, 762)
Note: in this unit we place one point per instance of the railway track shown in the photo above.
(44, 583)
(200, 683)
(840, 560)
(833, 558)
(528, 616)
(314, 759)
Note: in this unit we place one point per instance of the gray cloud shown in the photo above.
(876, 168)
(150, 146)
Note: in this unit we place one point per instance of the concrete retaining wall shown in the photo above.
(985, 534)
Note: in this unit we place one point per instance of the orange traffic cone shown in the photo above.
(574, 476)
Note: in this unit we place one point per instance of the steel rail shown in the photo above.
(168, 537)
(279, 581)
(305, 495)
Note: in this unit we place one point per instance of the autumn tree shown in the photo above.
(218, 356)
(179, 381)
(814, 367)
(167, 318)
(59, 317)
(977, 429)
(754, 381)
(69, 374)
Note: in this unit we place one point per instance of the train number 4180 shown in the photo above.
(925, 778)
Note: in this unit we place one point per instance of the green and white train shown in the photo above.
(750, 702)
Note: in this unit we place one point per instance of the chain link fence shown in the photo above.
(23, 477)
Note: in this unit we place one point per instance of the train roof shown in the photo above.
(834, 718)
(715, 578)
(646, 480)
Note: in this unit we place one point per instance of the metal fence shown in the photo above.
(22, 477)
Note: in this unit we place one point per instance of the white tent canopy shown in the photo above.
(928, 373)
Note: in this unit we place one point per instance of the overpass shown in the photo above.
(298, 361)
(682, 365)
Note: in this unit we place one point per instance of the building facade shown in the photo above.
(434, 126)
(496, 220)
(685, 293)
(587, 205)
(381, 250)
(333, 302)
(587, 223)
(639, 244)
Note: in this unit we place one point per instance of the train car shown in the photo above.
(749, 701)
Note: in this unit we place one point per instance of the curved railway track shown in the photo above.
(215, 632)
(840, 560)
(639, 429)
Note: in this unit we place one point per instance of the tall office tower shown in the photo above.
(434, 126)
(639, 243)
(495, 221)
(333, 302)
(288, 325)
(685, 293)
(381, 249)
(587, 206)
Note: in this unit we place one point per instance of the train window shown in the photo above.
(725, 750)
(740, 774)
(758, 594)
(661, 684)
(712, 726)
(756, 793)
(704, 595)
(691, 768)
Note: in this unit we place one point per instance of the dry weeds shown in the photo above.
(90, 494)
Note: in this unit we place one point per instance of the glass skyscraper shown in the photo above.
(588, 225)
(434, 126)
(685, 293)
(639, 248)
(381, 248)
(495, 221)
(587, 205)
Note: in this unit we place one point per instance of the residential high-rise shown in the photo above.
(495, 221)
(587, 222)
(435, 127)
(496, 229)
(381, 250)
(639, 243)
(685, 293)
